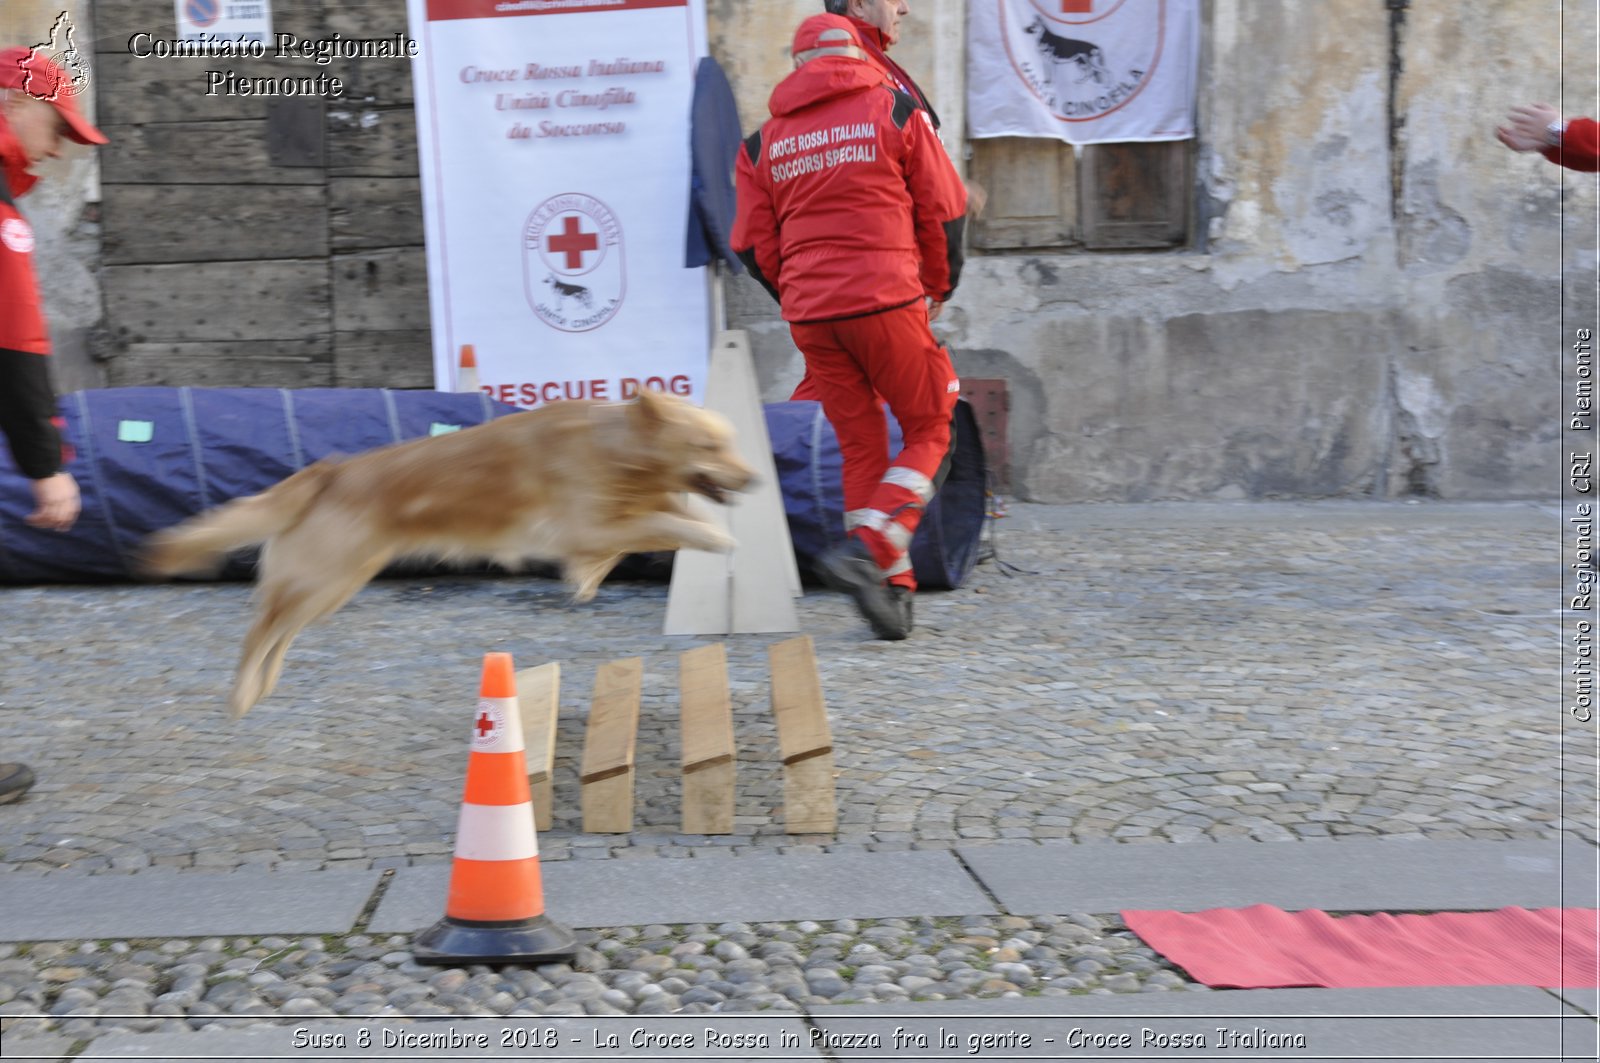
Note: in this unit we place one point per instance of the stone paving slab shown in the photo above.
(1332, 876)
(1585, 1000)
(1373, 1025)
(47, 1048)
(514, 1037)
(72, 907)
(758, 888)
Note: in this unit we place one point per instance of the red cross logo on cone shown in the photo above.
(495, 909)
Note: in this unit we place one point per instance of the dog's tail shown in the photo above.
(201, 543)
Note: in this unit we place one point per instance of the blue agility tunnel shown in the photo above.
(147, 458)
(807, 455)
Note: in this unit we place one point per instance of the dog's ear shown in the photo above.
(650, 410)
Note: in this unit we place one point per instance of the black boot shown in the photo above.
(903, 596)
(849, 567)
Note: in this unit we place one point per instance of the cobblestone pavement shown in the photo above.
(1161, 673)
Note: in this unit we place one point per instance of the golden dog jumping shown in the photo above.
(581, 483)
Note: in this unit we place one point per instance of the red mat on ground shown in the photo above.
(1265, 947)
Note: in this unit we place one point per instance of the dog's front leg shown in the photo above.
(586, 573)
(674, 531)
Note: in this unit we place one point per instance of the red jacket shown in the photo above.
(1580, 146)
(848, 204)
(27, 401)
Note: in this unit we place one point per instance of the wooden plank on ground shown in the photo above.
(804, 741)
(607, 772)
(539, 699)
(706, 720)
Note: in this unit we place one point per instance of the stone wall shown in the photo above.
(1373, 304)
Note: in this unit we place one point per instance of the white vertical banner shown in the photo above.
(1083, 71)
(553, 138)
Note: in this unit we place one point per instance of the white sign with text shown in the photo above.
(224, 20)
(554, 146)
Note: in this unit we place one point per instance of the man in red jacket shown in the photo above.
(37, 111)
(1539, 127)
(851, 214)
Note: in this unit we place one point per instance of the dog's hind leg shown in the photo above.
(288, 602)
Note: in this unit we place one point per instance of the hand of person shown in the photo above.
(977, 198)
(56, 502)
(934, 309)
(1528, 127)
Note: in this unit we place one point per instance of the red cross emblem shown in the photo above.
(484, 725)
(573, 242)
(1077, 7)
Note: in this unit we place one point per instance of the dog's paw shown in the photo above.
(716, 541)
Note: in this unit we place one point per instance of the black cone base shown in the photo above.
(536, 941)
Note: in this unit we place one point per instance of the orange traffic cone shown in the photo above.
(467, 371)
(495, 910)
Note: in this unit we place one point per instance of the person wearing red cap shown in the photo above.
(1573, 143)
(37, 112)
(851, 214)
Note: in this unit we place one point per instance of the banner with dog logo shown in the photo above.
(1083, 71)
(553, 138)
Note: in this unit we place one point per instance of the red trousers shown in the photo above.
(850, 364)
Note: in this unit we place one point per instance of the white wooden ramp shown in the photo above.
(752, 589)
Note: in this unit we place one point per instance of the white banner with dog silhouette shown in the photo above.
(553, 137)
(1083, 71)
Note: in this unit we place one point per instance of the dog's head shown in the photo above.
(692, 449)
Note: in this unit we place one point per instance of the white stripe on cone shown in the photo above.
(496, 832)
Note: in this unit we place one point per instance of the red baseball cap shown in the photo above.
(31, 71)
